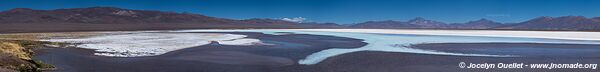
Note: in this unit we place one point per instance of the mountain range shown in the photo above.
(540, 23)
(112, 18)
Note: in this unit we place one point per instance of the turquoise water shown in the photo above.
(397, 43)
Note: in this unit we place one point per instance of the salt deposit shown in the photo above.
(135, 44)
(569, 35)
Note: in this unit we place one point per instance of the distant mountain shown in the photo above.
(540, 23)
(596, 18)
(112, 15)
(427, 24)
(390, 24)
(104, 15)
(479, 24)
(558, 23)
(264, 22)
(111, 18)
(323, 25)
(424, 23)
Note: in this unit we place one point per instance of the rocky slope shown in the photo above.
(556, 23)
(15, 55)
(422, 23)
(541, 23)
(111, 18)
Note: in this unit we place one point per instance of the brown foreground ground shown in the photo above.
(15, 55)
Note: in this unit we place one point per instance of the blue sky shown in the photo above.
(343, 11)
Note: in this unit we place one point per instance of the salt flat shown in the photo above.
(135, 44)
(385, 40)
(570, 35)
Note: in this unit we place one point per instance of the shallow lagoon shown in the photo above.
(402, 42)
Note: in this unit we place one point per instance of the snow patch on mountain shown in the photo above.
(296, 19)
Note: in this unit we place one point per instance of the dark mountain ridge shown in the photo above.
(558, 23)
(479, 24)
(102, 15)
(540, 23)
(421, 23)
(111, 18)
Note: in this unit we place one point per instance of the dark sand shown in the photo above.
(370, 61)
(521, 49)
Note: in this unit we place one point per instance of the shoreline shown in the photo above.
(17, 55)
